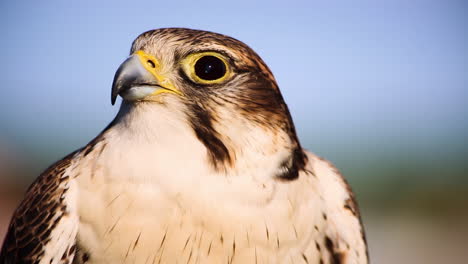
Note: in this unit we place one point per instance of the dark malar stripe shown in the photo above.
(202, 124)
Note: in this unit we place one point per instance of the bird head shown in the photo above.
(223, 85)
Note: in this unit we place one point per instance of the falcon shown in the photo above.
(202, 164)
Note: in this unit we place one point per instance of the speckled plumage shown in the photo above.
(214, 176)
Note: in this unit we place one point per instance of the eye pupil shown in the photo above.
(210, 68)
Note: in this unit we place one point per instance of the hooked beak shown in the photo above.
(137, 78)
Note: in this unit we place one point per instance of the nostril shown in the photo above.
(151, 63)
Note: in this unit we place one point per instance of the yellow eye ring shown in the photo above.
(206, 67)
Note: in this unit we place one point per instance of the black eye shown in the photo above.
(210, 68)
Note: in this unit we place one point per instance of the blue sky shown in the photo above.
(354, 73)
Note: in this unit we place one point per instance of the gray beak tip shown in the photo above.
(113, 98)
(131, 73)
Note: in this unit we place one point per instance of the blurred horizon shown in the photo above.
(379, 89)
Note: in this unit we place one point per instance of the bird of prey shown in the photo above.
(202, 164)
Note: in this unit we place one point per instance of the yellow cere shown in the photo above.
(188, 64)
(151, 64)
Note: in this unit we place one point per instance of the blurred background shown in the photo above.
(379, 88)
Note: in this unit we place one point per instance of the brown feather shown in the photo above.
(36, 217)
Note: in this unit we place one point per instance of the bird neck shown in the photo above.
(168, 134)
